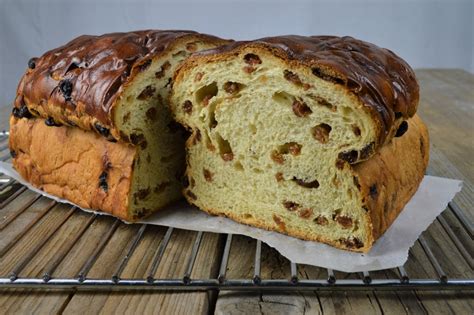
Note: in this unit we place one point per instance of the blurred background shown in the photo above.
(426, 33)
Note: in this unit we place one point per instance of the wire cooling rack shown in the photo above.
(10, 190)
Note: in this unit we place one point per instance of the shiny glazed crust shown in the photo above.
(68, 163)
(79, 84)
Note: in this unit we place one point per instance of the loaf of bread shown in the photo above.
(314, 137)
(91, 124)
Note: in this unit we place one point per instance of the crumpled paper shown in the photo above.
(391, 250)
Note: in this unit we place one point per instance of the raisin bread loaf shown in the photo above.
(315, 137)
(90, 122)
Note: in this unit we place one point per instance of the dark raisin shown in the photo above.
(207, 175)
(144, 65)
(367, 151)
(13, 153)
(292, 77)
(137, 138)
(352, 242)
(231, 87)
(321, 132)
(151, 113)
(206, 99)
(343, 220)
(252, 59)
(103, 181)
(146, 93)
(191, 195)
(277, 157)
(340, 164)
(32, 63)
(312, 184)
(160, 74)
(402, 129)
(305, 213)
(142, 193)
(227, 156)
(301, 109)
(126, 118)
(294, 148)
(188, 107)
(321, 220)
(281, 224)
(21, 112)
(161, 187)
(323, 102)
(290, 205)
(198, 76)
(373, 191)
(192, 47)
(197, 137)
(279, 176)
(350, 156)
(102, 130)
(51, 123)
(249, 69)
(66, 89)
(356, 130)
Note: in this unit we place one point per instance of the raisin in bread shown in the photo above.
(302, 135)
(90, 122)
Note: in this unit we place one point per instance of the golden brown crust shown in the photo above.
(396, 171)
(79, 83)
(383, 82)
(390, 178)
(73, 164)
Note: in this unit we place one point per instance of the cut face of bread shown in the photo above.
(116, 86)
(273, 144)
(142, 116)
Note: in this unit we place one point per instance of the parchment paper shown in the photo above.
(390, 251)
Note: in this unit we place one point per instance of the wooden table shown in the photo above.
(447, 102)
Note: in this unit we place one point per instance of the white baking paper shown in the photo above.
(390, 251)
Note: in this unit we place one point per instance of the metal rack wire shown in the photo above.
(9, 190)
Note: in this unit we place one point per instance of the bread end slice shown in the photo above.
(277, 147)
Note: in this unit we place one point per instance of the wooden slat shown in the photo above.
(172, 266)
(273, 266)
(28, 301)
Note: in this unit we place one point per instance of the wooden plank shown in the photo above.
(441, 166)
(447, 100)
(273, 266)
(28, 301)
(172, 266)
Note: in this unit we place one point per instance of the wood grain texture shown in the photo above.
(447, 102)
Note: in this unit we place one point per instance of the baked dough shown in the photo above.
(100, 108)
(314, 137)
